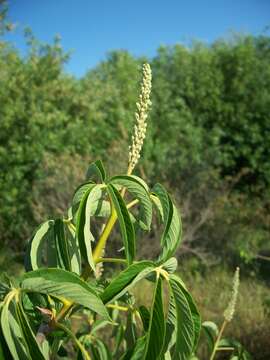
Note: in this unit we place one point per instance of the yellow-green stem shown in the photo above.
(121, 308)
(104, 236)
(85, 354)
(215, 349)
(111, 260)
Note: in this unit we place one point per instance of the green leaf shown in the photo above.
(170, 265)
(126, 279)
(99, 324)
(145, 316)
(4, 289)
(11, 330)
(239, 353)
(156, 331)
(170, 333)
(137, 352)
(195, 316)
(61, 245)
(193, 308)
(96, 170)
(139, 190)
(62, 284)
(103, 351)
(130, 333)
(173, 228)
(4, 350)
(184, 325)
(79, 193)
(80, 346)
(83, 231)
(42, 240)
(74, 250)
(211, 331)
(29, 337)
(126, 226)
(119, 336)
(54, 245)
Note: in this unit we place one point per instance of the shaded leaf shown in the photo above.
(29, 337)
(83, 231)
(126, 226)
(61, 245)
(145, 316)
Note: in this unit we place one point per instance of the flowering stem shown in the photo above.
(215, 349)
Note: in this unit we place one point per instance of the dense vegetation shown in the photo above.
(208, 141)
(209, 130)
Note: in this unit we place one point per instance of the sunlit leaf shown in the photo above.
(64, 285)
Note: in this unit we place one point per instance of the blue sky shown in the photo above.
(91, 28)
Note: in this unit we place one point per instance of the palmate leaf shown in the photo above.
(64, 285)
(173, 228)
(126, 226)
(126, 280)
(139, 189)
(156, 330)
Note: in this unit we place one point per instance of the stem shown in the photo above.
(111, 260)
(215, 349)
(77, 342)
(121, 308)
(69, 223)
(63, 312)
(97, 254)
(104, 236)
(132, 203)
(54, 348)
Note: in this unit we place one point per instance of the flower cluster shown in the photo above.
(141, 115)
(229, 312)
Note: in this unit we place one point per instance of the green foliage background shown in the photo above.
(209, 126)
